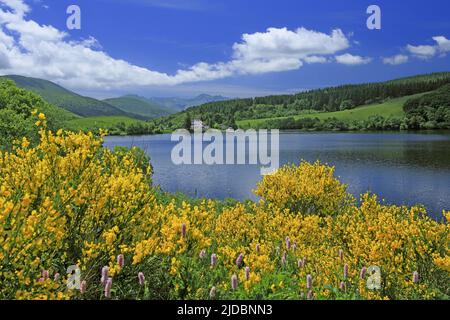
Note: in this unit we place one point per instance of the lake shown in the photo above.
(401, 168)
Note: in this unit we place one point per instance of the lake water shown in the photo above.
(402, 168)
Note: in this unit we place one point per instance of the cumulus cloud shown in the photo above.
(443, 44)
(284, 43)
(29, 48)
(396, 60)
(352, 60)
(442, 47)
(316, 59)
(422, 52)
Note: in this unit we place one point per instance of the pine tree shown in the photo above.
(187, 122)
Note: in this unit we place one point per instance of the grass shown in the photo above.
(104, 122)
(390, 109)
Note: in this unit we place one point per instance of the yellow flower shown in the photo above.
(68, 200)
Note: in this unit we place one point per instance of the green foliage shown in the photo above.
(116, 125)
(16, 120)
(68, 100)
(347, 104)
(187, 122)
(327, 103)
(373, 123)
(14, 126)
(385, 116)
(430, 111)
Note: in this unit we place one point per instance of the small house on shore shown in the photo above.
(198, 125)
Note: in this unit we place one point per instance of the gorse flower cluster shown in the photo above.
(69, 201)
(309, 188)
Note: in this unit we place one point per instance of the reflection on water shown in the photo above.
(402, 168)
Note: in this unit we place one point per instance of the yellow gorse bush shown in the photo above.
(70, 201)
(308, 188)
(67, 201)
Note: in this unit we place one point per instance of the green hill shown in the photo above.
(392, 108)
(61, 97)
(138, 106)
(322, 103)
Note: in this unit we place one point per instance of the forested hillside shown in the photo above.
(430, 111)
(226, 113)
(61, 97)
(17, 105)
(138, 106)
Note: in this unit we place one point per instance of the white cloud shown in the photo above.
(396, 60)
(442, 47)
(284, 43)
(316, 59)
(443, 44)
(42, 51)
(17, 6)
(422, 52)
(352, 60)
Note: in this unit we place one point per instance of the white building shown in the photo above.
(198, 125)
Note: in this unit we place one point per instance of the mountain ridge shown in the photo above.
(130, 105)
(180, 104)
(138, 106)
(64, 98)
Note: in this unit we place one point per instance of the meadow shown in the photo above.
(392, 108)
(95, 123)
(68, 201)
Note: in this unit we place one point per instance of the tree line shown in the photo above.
(430, 111)
(224, 114)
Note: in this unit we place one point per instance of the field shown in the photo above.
(390, 109)
(105, 122)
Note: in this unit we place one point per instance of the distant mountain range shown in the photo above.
(129, 105)
(180, 104)
(139, 107)
(150, 108)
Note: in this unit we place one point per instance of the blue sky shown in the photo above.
(165, 36)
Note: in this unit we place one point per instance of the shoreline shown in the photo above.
(424, 131)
